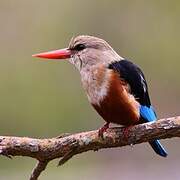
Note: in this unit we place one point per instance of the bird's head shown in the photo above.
(84, 51)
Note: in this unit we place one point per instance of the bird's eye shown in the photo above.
(79, 47)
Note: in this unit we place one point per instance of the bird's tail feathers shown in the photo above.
(158, 148)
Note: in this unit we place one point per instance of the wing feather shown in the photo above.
(133, 75)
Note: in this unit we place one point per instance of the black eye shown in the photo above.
(79, 47)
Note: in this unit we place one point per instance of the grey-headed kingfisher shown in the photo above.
(115, 86)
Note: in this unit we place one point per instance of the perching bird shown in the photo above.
(115, 87)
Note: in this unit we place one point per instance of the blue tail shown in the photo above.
(148, 114)
(158, 148)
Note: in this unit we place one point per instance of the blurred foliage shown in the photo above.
(43, 98)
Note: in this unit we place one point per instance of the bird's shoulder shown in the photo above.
(133, 75)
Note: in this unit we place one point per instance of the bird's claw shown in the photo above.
(126, 131)
(103, 129)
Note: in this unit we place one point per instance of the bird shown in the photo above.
(115, 86)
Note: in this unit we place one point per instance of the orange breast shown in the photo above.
(119, 106)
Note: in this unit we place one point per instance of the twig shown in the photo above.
(65, 147)
(40, 166)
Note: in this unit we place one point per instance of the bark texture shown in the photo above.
(66, 146)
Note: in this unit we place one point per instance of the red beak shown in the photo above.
(56, 54)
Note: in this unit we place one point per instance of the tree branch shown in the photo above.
(40, 166)
(66, 146)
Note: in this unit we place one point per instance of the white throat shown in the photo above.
(95, 80)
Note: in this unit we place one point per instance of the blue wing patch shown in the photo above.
(148, 113)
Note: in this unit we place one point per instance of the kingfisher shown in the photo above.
(115, 86)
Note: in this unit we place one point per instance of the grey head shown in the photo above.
(88, 51)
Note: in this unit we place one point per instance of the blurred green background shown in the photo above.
(45, 98)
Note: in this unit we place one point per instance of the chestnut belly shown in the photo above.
(118, 105)
(119, 111)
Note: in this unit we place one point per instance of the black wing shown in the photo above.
(133, 75)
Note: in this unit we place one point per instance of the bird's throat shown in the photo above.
(96, 83)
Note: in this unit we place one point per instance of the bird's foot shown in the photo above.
(103, 129)
(126, 131)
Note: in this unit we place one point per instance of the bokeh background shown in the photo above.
(45, 98)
